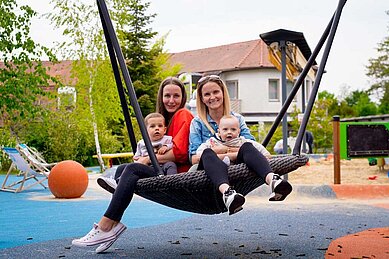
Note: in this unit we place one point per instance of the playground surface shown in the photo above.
(300, 227)
(355, 171)
(312, 223)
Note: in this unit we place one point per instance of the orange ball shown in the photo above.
(68, 179)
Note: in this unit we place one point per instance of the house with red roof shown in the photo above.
(250, 72)
(250, 69)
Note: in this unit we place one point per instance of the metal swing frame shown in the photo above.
(329, 34)
(117, 58)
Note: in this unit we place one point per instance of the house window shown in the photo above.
(289, 87)
(232, 87)
(67, 97)
(274, 90)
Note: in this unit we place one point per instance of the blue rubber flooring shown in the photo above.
(290, 229)
(25, 221)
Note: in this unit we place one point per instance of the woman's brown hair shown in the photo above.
(160, 106)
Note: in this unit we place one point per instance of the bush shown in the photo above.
(6, 140)
(62, 136)
(261, 131)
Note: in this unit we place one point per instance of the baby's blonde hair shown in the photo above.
(154, 115)
(229, 116)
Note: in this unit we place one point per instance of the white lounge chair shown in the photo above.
(35, 159)
(27, 173)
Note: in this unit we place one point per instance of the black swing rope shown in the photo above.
(194, 191)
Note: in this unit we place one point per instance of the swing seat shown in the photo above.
(194, 191)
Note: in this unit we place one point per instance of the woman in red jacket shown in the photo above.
(170, 103)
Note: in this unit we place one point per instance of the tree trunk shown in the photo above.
(95, 131)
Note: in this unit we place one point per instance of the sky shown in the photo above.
(196, 24)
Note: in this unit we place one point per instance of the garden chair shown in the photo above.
(35, 159)
(27, 173)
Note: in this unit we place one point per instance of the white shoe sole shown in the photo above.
(78, 243)
(103, 247)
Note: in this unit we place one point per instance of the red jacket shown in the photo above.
(179, 130)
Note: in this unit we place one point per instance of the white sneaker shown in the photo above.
(279, 188)
(96, 236)
(108, 184)
(233, 201)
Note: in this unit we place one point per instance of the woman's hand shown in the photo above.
(220, 149)
(143, 160)
(233, 149)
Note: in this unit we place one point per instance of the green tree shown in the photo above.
(141, 59)
(97, 98)
(333, 105)
(359, 101)
(352, 104)
(378, 70)
(22, 75)
(319, 122)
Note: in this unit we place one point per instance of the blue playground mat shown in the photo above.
(25, 221)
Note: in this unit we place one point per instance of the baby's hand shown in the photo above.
(162, 150)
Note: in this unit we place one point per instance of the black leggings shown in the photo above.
(217, 170)
(127, 175)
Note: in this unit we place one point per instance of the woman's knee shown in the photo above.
(119, 171)
(139, 170)
(134, 168)
(126, 170)
(208, 152)
(247, 146)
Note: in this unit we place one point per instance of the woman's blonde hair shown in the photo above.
(160, 106)
(202, 109)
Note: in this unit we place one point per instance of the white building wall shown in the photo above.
(253, 91)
